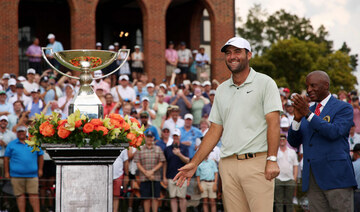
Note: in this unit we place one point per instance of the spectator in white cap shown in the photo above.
(137, 65)
(174, 121)
(252, 142)
(123, 91)
(36, 105)
(5, 107)
(56, 47)
(21, 79)
(11, 89)
(30, 83)
(20, 95)
(116, 45)
(145, 107)
(202, 65)
(98, 46)
(64, 101)
(111, 48)
(5, 80)
(206, 87)
(190, 135)
(100, 83)
(284, 124)
(150, 87)
(6, 136)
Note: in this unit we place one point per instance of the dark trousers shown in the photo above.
(340, 200)
(284, 192)
(357, 200)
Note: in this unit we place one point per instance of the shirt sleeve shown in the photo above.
(272, 101)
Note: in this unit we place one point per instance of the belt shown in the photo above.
(208, 181)
(249, 155)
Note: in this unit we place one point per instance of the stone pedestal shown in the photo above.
(84, 177)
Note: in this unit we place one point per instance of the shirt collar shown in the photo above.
(249, 78)
(324, 101)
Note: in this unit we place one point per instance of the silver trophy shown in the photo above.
(86, 61)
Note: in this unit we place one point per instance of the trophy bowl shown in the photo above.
(85, 61)
(98, 59)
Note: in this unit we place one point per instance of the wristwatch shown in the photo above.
(272, 158)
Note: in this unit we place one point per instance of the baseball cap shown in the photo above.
(195, 51)
(44, 79)
(21, 128)
(162, 85)
(176, 132)
(286, 90)
(356, 148)
(116, 44)
(2, 92)
(98, 44)
(21, 78)
(50, 36)
(149, 134)
(173, 108)
(282, 135)
(195, 82)
(212, 92)
(145, 98)
(182, 43)
(124, 77)
(34, 90)
(58, 110)
(150, 85)
(97, 73)
(6, 76)
(237, 42)
(31, 71)
(69, 85)
(12, 81)
(136, 47)
(111, 47)
(171, 42)
(144, 114)
(188, 116)
(3, 117)
(207, 82)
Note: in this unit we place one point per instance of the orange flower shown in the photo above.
(133, 143)
(139, 141)
(96, 122)
(61, 123)
(63, 132)
(88, 128)
(134, 120)
(78, 123)
(103, 129)
(47, 129)
(116, 116)
(115, 123)
(131, 136)
(124, 125)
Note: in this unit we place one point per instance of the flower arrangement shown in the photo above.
(79, 130)
(94, 61)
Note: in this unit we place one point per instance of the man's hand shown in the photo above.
(7, 175)
(214, 187)
(201, 189)
(301, 105)
(271, 170)
(176, 151)
(185, 173)
(165, 181)
(40, 173)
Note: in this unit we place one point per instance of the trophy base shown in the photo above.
(93, 111)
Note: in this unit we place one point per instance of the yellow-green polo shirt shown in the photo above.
(241, 111)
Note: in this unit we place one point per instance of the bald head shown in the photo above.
(317, 85)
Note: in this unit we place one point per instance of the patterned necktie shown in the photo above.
(317, 109)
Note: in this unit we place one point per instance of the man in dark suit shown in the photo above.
(323, 130)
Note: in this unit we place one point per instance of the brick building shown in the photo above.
(79, 24)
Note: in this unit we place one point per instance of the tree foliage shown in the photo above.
(287, 48)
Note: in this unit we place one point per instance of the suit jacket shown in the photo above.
(326, 148)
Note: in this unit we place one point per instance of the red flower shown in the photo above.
(134, 120)
(96, 122)
(88, 128)
(103, 129)
(47, 129)
(63, 132)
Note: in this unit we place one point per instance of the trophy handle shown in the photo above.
(123, 62)
(48, 62)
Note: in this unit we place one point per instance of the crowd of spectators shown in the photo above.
(175, 116)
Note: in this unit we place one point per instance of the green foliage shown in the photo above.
(287, 48)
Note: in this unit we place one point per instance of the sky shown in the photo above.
(341, 18)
